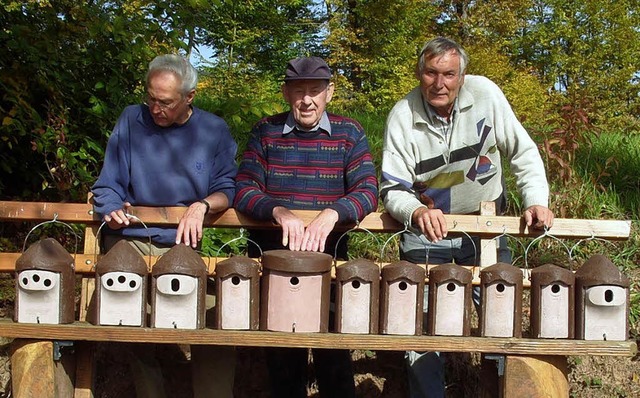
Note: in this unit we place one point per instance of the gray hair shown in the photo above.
(440, 46)
(177, 65)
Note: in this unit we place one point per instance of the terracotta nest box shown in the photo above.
(501, 301)
(179, 290)
(357, 297)
(45, 279)
(121, 287)
(295, 291)
(449, 312)
(552, 302)
(238, 294)
(602, 301)
(402, 296)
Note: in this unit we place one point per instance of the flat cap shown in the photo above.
(307, 68)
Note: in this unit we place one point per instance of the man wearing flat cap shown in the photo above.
(307, 159)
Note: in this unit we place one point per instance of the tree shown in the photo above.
(66, 71)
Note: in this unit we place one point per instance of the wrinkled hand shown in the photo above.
(292, 227)
(118, 218)
(190, 226)
(538, 217)
(315, 236)
(431, 223)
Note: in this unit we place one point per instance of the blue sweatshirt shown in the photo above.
(148, 165)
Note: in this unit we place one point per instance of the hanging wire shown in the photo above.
(130, 216)
(357, 227)
(591, 238)
(545, 234)
(249, 240)
(53, 221)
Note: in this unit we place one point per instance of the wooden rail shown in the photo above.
(541, 362)
(512, 346)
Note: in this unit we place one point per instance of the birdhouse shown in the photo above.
(357, 297)
(501, 301)
(45, 280)
(179, 290)
(121, 287)
(402, 287)
(602, 301)
(552, 302)
(449, 312)
(238, 294)
(295, 291)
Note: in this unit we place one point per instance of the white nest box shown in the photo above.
(401, 301)
(449, 312)
(295, 291)
(357, 297)
(179, 289)
(552, 302)
(238, 294)
(602, 301)
(121, 287)
(45, 280)
(501, 301)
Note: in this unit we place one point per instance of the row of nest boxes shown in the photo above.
(290, 292)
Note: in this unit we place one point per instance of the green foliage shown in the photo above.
(66, 72)
(373, 45)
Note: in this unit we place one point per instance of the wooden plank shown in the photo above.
(484, 226)
(535, 376)
(87, 332)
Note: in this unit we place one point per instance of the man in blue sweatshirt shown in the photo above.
(167, 152)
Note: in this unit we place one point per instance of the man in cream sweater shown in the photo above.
(443, 149)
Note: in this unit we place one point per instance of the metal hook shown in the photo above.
(592, 237)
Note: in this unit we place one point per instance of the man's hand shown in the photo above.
(538, 217)
(190, 226)
(431, 223)
(292, 227)
(118, 218)
(315, 236)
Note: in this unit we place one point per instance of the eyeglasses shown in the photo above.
(163, 105)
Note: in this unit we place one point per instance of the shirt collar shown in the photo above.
(324, 124)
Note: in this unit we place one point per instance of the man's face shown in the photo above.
(440, 82)
(166, 102)
(308, 100)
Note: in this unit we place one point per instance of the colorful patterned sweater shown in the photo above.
(307, 170)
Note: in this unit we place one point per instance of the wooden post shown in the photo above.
(32, 369)
(488, 247)
(535, 376)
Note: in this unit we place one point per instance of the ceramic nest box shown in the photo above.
(295, 291)
(602, 301)
(449, 312)
(501, 301)
(552, 302)
(179, 290)
(357, 297)
(121, 287)
(45, 280)
(238, 294)
(402, 287)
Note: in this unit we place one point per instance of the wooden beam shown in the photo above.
(484, 226)
(87, 332)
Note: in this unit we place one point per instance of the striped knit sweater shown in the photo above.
(307, 170)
